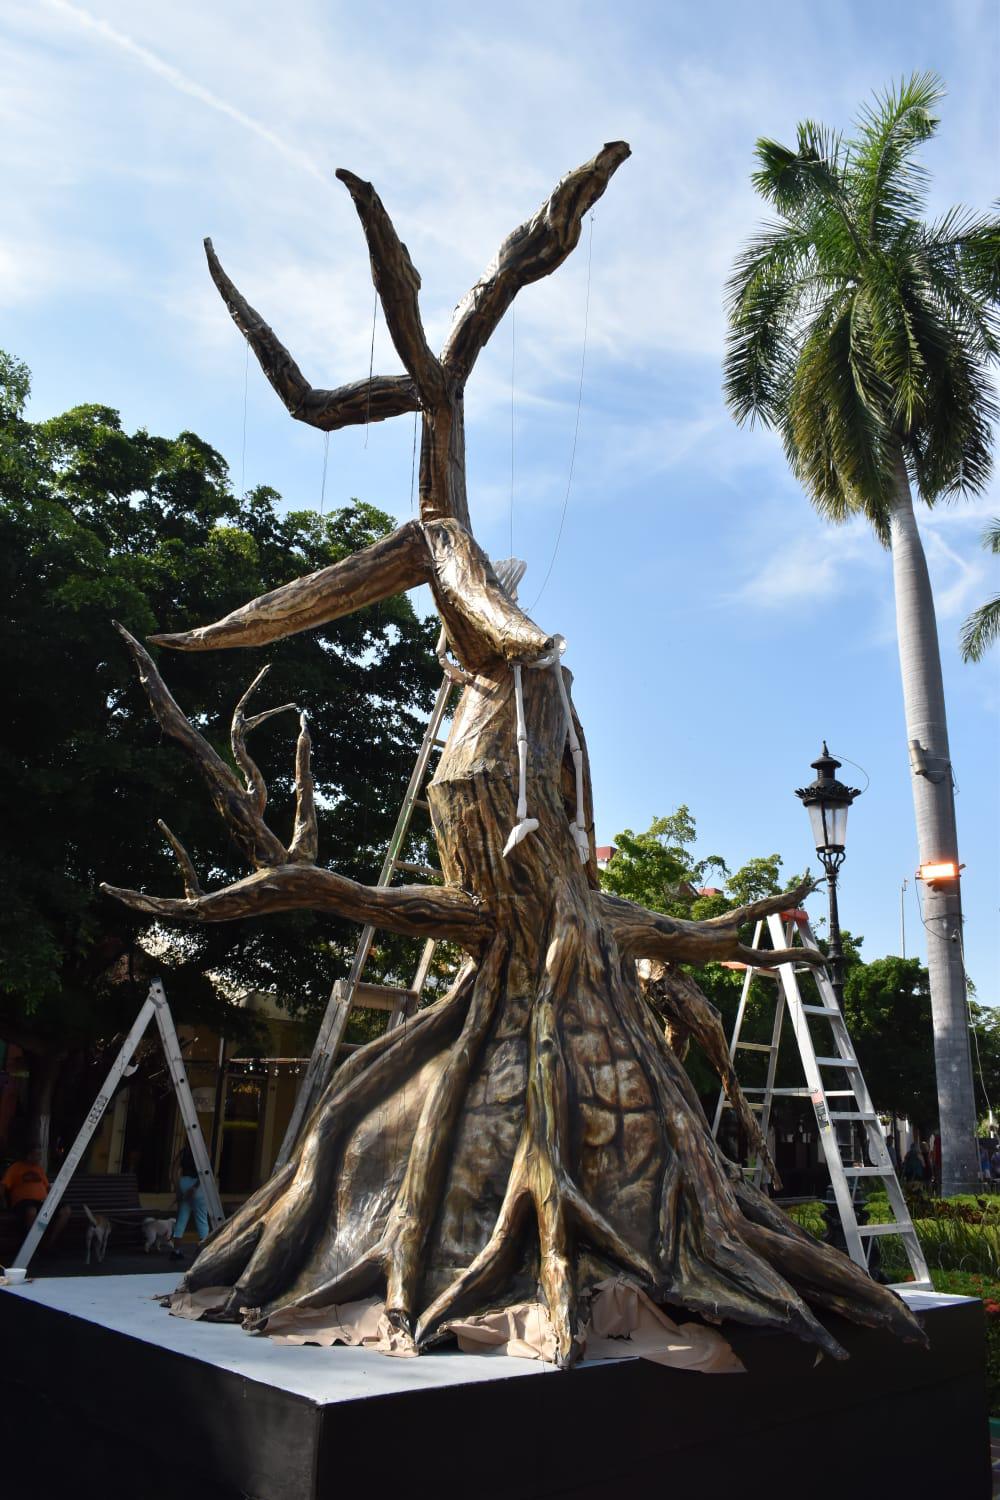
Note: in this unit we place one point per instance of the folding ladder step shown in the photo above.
(754, 1047)
(840, 1093)
(853, 1114)
(439, 744)
(874, 1229)
(409, 869)
(838, 1062)
(422, 802)
(382, 996)
(868, 1172)
(782, 1093)
(822, 1010)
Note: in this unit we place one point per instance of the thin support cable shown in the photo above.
(512, 356)
(413, 460)
(326, 456)
(243, 451)
(371, 367)
(576, 427)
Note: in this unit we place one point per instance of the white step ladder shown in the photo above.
(154, 1006)
(351, 993)
(839, 1059)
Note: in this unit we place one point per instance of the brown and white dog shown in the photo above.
(157, 1234)
(98, 1234)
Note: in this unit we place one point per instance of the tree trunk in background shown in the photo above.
(45, 1068)
(937, 840)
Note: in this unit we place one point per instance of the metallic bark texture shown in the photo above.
(532, 1132)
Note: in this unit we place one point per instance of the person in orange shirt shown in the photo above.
(24, 1188)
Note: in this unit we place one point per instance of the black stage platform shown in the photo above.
(103, 1394)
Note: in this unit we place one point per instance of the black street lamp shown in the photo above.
(827, 801)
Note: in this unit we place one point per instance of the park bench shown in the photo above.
(113, 1194)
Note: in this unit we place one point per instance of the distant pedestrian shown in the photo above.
(995, 1165)
(913, 1165)
(24, 1188)
(925, 1153)
(190, 1201)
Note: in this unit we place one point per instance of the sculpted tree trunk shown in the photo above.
(532, 1132)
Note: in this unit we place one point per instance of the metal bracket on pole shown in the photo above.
(155, 1004)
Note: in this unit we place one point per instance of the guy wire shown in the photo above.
(243, 454)
(413, 459)
(576, 427)
(326, 455)
(371, 367)
(512, 352)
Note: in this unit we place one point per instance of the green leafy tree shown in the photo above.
(99, 524)
(982, 627)
(888, 1007)
(865, 335)
(660, 870)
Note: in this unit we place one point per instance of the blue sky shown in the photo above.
(717, 629)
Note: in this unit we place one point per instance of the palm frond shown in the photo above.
(991, 537)
(889, 185)
(835, 430)
(980, 630)
(952, 444)
(772, 277)
(960, 256)
(790, 179)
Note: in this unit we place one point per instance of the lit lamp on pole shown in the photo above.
(827, 801)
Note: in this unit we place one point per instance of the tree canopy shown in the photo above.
(98, 524)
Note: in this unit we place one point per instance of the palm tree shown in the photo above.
(982, 627)
(865, 334)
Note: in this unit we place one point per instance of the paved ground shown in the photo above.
(995, 1457)
(125, 1263)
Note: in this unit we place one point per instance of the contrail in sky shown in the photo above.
(184, 85)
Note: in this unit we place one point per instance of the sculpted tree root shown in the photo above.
(532, 1132)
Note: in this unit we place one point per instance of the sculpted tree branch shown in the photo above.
(362, 401)
(286, 878)
(432, 385)
(420, 911)
(397, 283)
(535, 249)
(650, 934)
(390, 566)
(689, 1014)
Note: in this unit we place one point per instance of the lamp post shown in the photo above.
(827, 800)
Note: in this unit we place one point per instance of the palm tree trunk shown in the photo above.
(937, 840)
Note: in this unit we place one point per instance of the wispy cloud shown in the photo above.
(809, 566)
(182, 83)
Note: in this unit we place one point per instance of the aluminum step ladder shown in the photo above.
(154, 1007)
(352, 993)
(846, 1103)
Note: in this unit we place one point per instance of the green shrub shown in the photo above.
(808, 1216)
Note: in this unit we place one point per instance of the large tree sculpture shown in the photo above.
(532, 1132)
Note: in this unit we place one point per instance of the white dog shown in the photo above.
(157, 1234)
(98, 1234)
